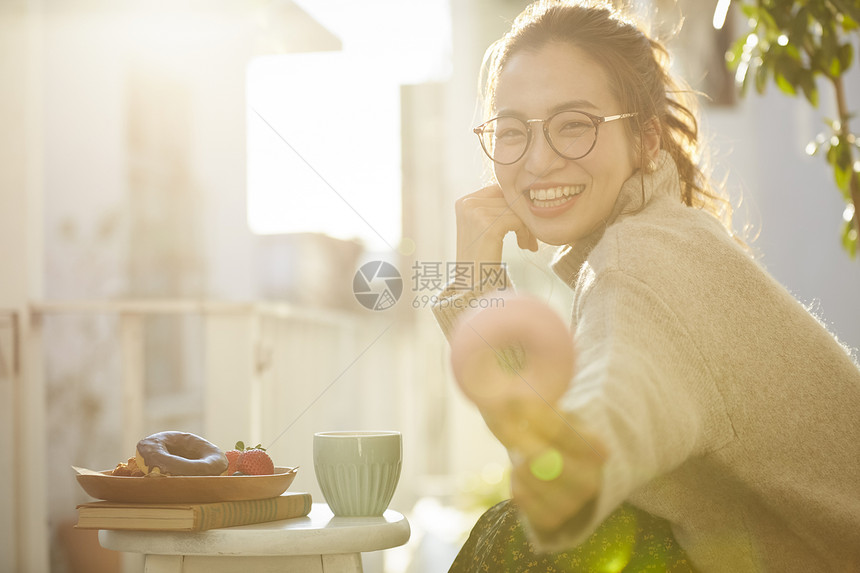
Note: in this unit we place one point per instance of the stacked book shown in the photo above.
(191, 516)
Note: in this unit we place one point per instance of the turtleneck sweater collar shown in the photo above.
(639, 190)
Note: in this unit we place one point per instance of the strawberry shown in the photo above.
(255, 462)
(232, 460)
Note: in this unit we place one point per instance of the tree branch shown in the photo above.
(845, 132)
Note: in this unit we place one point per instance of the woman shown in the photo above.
(708, 412)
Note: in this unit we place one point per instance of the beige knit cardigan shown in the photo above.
(726, 407)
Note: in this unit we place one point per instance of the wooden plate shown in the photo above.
(183, 489)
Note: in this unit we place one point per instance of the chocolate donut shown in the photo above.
(179, 454)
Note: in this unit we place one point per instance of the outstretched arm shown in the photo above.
(515, 361)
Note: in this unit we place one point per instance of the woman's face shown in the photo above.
(534, 85)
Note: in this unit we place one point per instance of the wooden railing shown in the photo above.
(248, 350)
(9, 369)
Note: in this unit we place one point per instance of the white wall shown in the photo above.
(23, 532)
(791, 199)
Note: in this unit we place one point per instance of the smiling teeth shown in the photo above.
(555, 192)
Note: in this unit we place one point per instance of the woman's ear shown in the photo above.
(651, 133)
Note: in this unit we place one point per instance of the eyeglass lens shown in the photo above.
(572, 134)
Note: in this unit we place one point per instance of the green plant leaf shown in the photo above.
(843, 178)
(849, 238)
(761, 75)
(821, 12)
(830, 53)
(792, 52)
(799, 27)
(785, 85)
(736, 52)
(850, 10)
(835, 69)
(768, 20)
(839, 157)
(818, 43)
(750, 11)
(787, 74)
(810, 90)
(846, 55)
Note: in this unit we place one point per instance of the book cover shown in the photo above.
(191, 516)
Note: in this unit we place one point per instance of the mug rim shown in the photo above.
(357, 434)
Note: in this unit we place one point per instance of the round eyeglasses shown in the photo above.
(571, 134)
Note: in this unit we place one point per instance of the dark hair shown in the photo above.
(639, 77)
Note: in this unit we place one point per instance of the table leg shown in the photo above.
(342, 563)
(163, 564)
(244, 564)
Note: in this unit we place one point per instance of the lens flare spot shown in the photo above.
(493, 473)
(548, 465)
(618, 562)
(406, 246)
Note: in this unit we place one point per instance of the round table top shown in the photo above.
(320, 533)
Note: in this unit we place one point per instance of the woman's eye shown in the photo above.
(510, 135)
(574, 127)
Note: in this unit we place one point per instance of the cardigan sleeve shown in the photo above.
(452, 301)
(641, 386)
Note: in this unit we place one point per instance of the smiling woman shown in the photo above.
(536, 83)
(673, 445)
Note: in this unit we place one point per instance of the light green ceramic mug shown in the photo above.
(358, 471)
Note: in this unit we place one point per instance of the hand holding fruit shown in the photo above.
(515, 361)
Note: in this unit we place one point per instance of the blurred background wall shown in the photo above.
(124, 175)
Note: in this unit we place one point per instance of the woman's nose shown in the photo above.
(540, 157)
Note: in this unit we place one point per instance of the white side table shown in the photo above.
(318, 543)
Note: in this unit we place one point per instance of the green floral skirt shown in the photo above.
(629, 540)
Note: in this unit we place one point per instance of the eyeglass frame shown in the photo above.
(596, 120)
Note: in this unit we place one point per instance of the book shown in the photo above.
(191, 516)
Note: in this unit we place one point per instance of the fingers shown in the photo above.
(511, 426)
(487, 197)
(483, 219)
(525, 240)
(558, 429)
(551, 503)
(528, 430)
(484, 214)
(493, 190)
(554, 484)
(556, 464)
